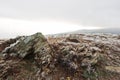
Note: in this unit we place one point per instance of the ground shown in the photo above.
(61, 57)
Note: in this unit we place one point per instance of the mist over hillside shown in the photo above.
(105, 30)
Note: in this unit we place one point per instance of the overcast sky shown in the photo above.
(55, 16)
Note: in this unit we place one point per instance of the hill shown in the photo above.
(66, 57)
(104, 30)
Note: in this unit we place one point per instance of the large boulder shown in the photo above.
(29, 53)
(28, 47)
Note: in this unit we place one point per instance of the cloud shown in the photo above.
(101, 13)
(105, 13)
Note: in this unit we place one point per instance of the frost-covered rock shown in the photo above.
(64, 57)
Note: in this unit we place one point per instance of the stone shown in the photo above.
(29, 45)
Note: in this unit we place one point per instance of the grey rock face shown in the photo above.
(34, 47)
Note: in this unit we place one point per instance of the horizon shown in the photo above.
(25, 27)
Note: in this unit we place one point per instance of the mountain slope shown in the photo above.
(66, 57)
(105, 30)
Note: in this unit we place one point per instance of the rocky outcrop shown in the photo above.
(34, 48)
(71, 57)
(6, 43)
(28, 47)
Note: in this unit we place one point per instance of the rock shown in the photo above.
(7, 43)
(71, 57)
(14, 55)
(30, 45)
(34, 48)
(72, 40)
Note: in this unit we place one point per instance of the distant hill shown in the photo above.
(106, 30)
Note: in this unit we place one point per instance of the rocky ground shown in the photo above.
(61, 57)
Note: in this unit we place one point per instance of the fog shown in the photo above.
(13, 27)
(18, 17)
